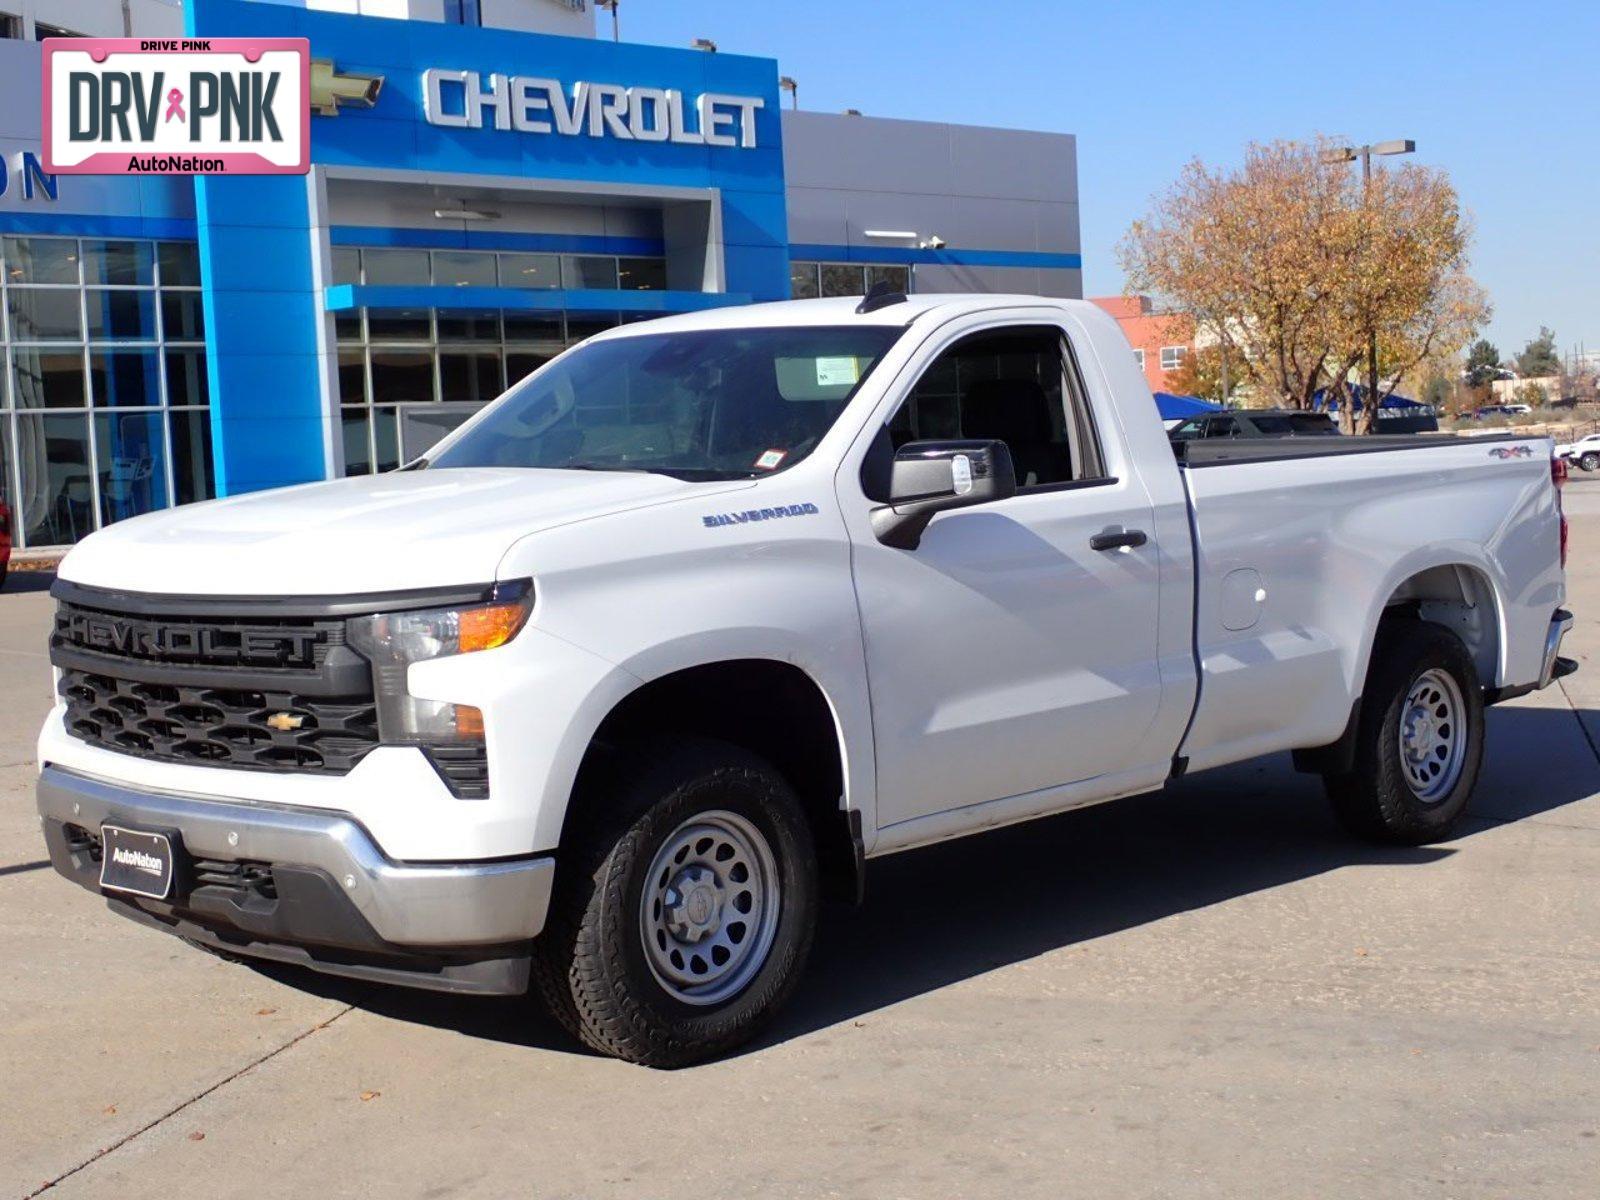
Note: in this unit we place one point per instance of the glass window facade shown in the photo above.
(104, 408)
(808, 280)
(407, 377)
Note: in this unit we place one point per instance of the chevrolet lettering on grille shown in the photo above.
(172, 641)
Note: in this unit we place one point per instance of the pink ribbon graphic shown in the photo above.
(174, 106)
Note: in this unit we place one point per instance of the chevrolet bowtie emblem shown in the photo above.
(284, 722)
(329, 89)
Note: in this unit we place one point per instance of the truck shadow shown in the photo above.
(947, 913)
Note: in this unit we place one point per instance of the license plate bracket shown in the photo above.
(139, 862)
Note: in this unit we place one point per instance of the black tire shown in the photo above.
(590, 964)
(1589, 462)
(1377, 799)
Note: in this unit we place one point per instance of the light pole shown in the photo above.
(616, 21)
(1365, 153)
(786, 83)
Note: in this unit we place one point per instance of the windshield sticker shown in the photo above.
(770, 459)
(838, 372)
(752, 515)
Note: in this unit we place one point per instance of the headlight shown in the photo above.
(393, 641)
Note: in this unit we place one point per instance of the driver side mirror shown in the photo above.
(928, 478)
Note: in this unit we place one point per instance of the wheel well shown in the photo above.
(1457, 597)
(773, 709)
(1461, 599)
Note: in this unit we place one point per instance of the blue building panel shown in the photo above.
(263, 345)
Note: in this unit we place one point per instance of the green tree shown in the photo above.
(1483, 363)
(1533, 395)
(1539, 358)
(1438, 390)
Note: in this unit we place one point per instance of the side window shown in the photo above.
(1222, 427)
(1019, 386)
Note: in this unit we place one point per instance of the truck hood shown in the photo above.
(374, 533)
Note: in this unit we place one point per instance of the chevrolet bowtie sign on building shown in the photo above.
(220, 106)
(330, 89)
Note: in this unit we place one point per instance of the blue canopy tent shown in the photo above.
(1397, 414)
(1176, 408)
(1320, 399)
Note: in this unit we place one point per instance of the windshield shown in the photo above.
(700, 404)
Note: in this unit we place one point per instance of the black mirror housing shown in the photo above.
(928, 478)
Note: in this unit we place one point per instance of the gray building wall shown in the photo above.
(980, 190)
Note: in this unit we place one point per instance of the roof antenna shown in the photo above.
(880, 295)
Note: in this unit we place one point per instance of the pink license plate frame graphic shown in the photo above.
(233, 162)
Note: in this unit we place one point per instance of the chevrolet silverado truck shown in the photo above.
(662, 648)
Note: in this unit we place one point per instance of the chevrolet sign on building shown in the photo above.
(532, 105)
(470, 202)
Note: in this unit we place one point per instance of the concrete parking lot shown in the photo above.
(1203, 992)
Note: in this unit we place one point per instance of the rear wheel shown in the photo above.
(684, 916)
(1419, 740)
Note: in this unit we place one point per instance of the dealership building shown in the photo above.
(168, 339)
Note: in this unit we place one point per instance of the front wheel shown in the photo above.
(683, 919)
(1419, 738)
(1589, 461)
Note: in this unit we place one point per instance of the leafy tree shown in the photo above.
(1200, 374)
(1539, 358)
(1438, 389)
(1483, 363)
(1306, 268)
(1533, 395)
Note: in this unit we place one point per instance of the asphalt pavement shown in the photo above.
(1203, 992)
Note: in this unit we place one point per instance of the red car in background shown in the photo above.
(5, 541)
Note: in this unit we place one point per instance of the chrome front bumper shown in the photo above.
(424, 906)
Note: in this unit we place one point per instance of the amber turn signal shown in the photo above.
(469, 722)
(491, 626)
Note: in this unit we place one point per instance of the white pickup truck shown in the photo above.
(665, 645)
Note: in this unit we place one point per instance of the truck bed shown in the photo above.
(1219, 451)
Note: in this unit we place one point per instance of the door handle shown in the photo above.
(1116, 539)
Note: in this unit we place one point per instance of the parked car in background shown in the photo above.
(1255, 423)
(1503, 410)
(1585, 452)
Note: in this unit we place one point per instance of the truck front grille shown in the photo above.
(221, 727)
(174, 679)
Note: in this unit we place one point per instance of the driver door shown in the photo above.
(1005, 654)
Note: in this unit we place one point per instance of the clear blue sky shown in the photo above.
(1505, 96)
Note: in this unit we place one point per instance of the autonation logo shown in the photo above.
(532, 104)
(138, 860)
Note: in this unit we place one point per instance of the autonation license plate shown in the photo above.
(137, 862)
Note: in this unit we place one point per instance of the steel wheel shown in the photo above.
(710, 906)
(1433, 735)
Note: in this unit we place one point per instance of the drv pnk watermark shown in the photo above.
(194, 106)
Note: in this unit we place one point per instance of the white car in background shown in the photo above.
(1585, 452)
